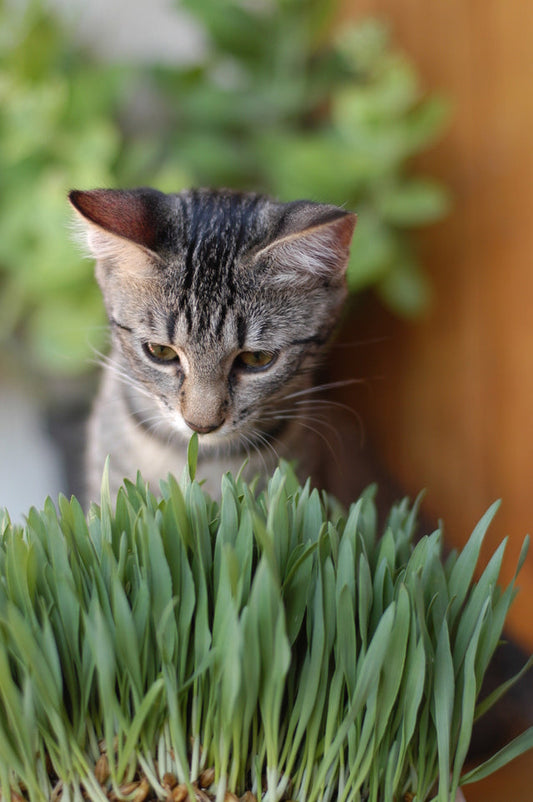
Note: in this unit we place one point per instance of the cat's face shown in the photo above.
(220, 303)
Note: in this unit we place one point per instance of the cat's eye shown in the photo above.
(161, 353)
(255, 360)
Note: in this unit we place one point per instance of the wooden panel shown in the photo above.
(453, 411)
(510, 784)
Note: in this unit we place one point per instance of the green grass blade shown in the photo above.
(463, 570)
(443, 697)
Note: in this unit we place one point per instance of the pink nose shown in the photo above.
(197, 427)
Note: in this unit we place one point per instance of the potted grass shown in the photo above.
(268, 646)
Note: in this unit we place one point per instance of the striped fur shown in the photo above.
(211, 274)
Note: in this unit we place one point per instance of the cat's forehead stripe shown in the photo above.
(241, 331)
(210, 235)
(209, 270)
(171, 324)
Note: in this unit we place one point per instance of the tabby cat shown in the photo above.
(221, 305)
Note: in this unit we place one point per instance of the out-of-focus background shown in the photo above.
(454, 412)
(417, 115)
(287, 97)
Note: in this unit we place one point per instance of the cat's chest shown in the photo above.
(156, 460)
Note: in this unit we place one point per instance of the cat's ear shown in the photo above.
(313, 246)
(119, 224)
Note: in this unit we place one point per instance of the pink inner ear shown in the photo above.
(345, 228)
(126, 214)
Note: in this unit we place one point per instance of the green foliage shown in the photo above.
(282, 101)
(57, 129)
(279, 107)
(281, 644)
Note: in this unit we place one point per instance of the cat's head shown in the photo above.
(220, 302)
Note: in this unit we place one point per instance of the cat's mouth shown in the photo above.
(230, 436)
(223, 434)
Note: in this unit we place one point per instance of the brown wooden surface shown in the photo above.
(511, 784)
(449, 401)
(452, 410)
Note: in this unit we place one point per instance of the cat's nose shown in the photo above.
(202, 429)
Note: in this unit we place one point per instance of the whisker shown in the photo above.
(253, 444)
(320, 434)
(326, 403)
(244, 441)
(328, 386)
(312, 419)
(126, 379)
(267, 441)
(295, 415)
(151, 423)
(109, 403)
(359, 343)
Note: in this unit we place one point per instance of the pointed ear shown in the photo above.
(317, 251)
(116, 223)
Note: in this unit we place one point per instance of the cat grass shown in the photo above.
(268, 646)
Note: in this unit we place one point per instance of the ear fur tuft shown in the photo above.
(318, 252)
(116, 221)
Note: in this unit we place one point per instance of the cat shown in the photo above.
(221, 306)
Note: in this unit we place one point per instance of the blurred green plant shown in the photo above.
(283, 100)
(57, 128)
(268, 644)
(289, 102)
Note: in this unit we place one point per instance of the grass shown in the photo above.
(269, 644)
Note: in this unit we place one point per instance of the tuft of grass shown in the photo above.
(267, 645)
